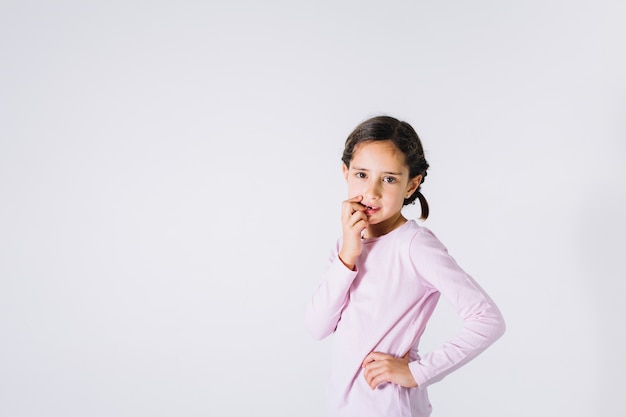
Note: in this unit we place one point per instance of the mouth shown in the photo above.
(370, 209)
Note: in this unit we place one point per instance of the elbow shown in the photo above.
(500, 329)
(502, 326)
(498, 326)
(317, 327)
(490, 325)
(318, 334)
(315, 330)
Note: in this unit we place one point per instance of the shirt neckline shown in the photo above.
(394, 231)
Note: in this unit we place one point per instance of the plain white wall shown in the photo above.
(170, 187)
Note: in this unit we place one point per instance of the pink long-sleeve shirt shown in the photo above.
(384, 305)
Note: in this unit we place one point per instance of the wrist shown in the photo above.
(350, 265)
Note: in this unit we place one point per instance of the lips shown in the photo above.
(369, 210)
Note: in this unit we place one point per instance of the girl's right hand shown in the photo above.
(353, 222)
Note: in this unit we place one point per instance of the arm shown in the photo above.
(483, 323)
(324, 309)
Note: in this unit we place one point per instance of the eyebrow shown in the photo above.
(399, 174)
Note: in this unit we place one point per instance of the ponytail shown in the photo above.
(423, 205)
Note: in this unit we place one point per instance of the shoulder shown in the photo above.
(423, 244)
(419, 235)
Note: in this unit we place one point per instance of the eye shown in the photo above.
(390, 180)
(360, 175)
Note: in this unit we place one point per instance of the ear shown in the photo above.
(413, 184)
(345, 169)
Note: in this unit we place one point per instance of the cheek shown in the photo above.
(353, 190)
(353, 186)
(397, 195)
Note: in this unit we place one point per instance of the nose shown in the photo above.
(372, 190)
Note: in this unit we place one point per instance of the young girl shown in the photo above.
(383, 282)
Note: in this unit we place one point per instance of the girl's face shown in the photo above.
(378, 173)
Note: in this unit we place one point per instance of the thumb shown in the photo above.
(376, 356)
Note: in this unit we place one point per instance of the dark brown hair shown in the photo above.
(404, 137)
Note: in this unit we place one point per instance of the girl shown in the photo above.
(383, 282)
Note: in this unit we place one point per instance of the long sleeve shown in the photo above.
(324, 310)
(483, 323)
(384, 306)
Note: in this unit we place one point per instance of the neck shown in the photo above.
(380, 229)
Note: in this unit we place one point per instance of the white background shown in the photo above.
(170, 188)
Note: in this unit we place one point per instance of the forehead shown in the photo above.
(378, 153)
